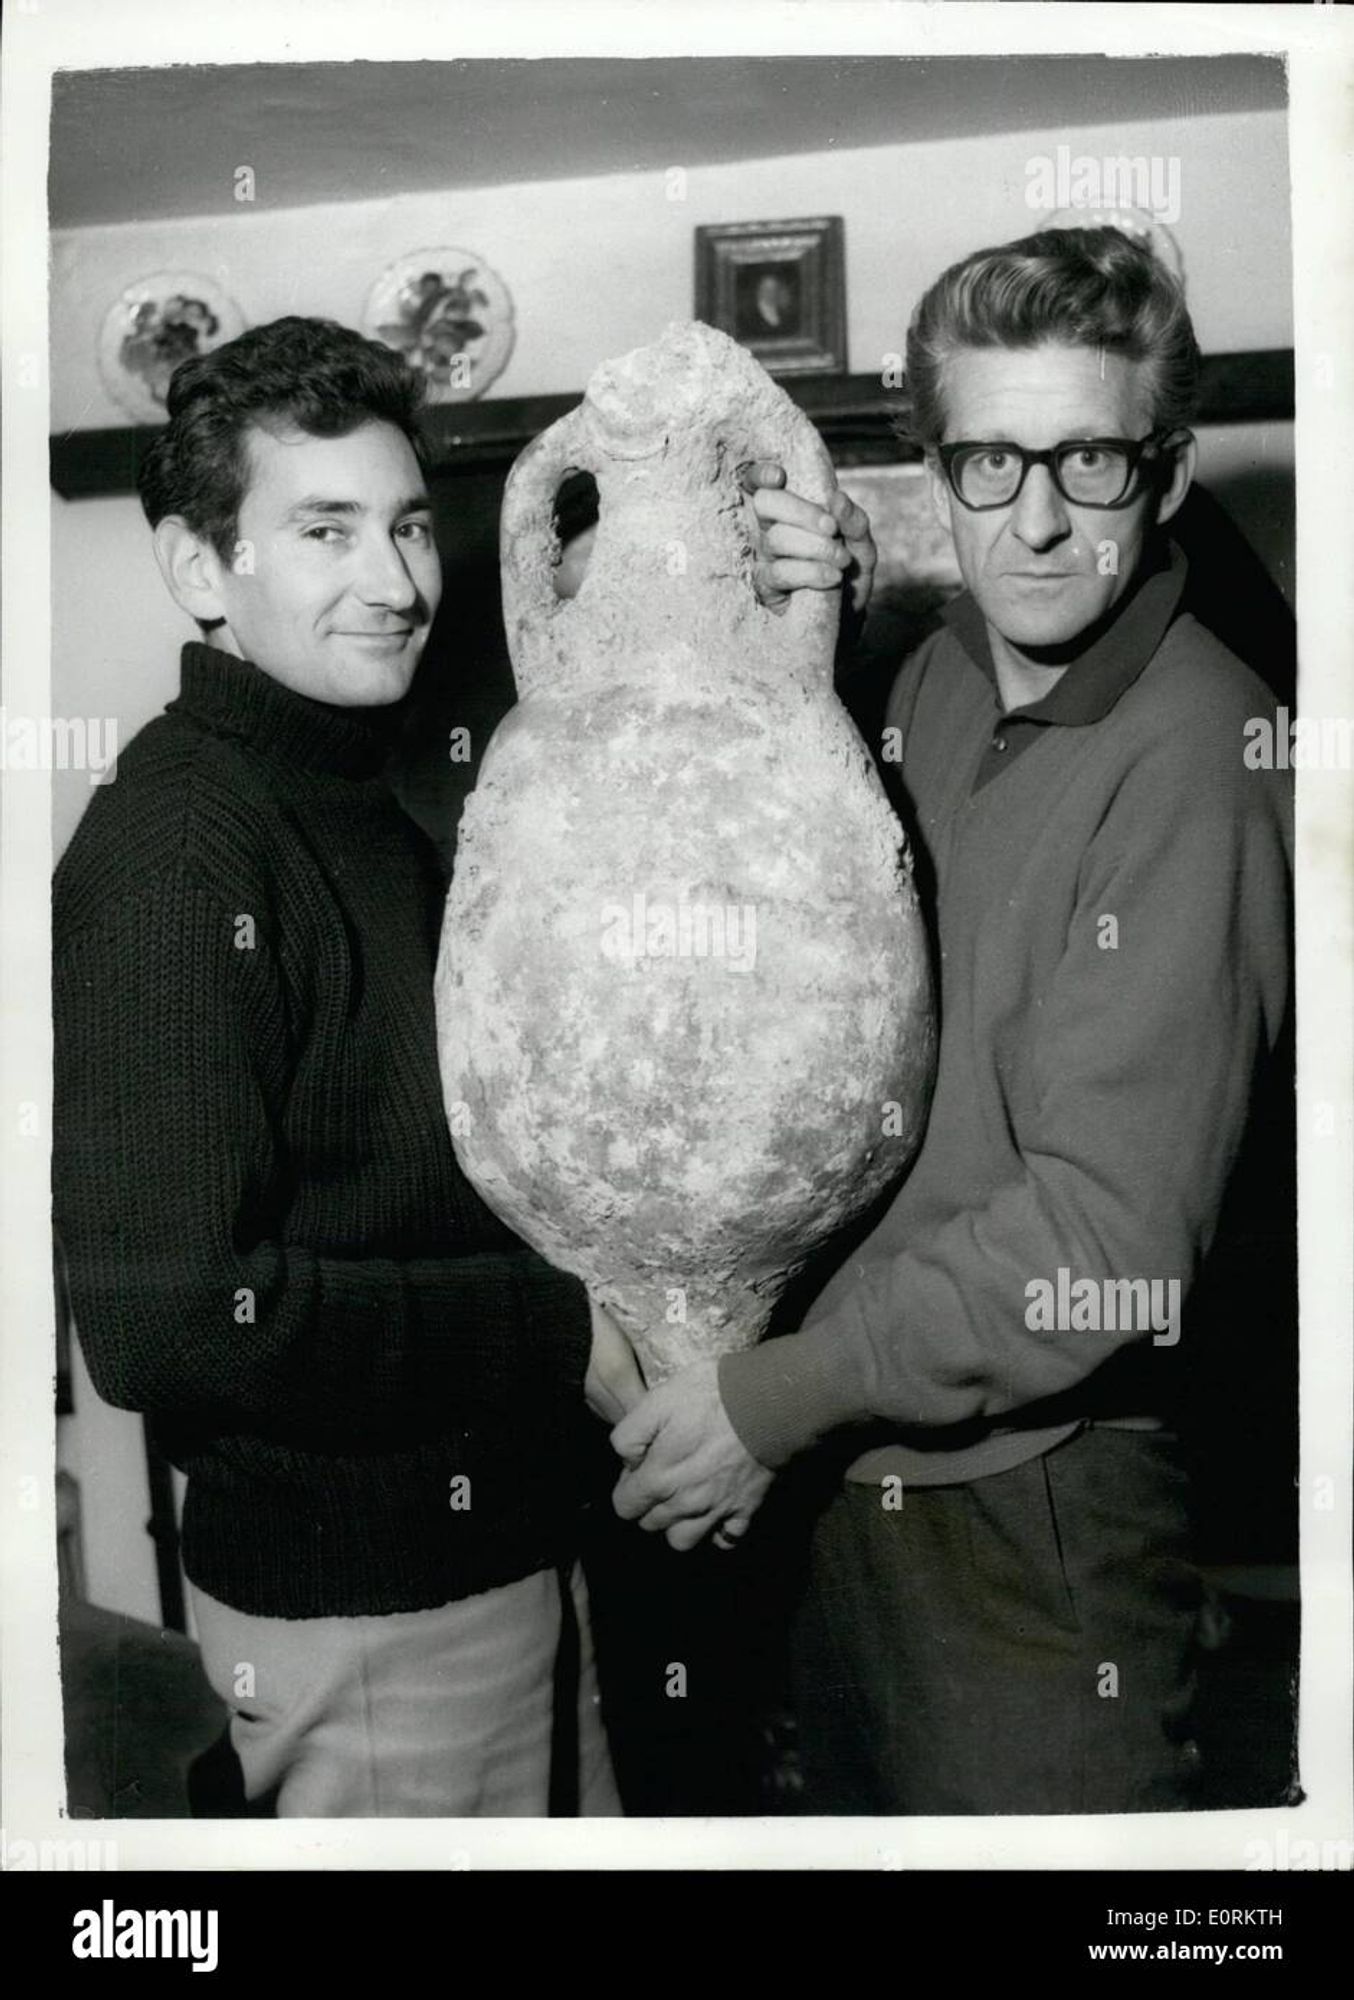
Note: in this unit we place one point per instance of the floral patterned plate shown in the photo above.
(153, 326)
(449, 315)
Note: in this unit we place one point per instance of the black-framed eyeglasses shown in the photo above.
(1090, 472)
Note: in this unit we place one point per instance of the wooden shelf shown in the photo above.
(855, 415)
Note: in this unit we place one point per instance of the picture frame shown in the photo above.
(779, 289)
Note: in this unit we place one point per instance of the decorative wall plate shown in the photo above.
(153, 326)
(449, 315)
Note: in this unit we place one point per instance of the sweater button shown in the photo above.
(998, 742)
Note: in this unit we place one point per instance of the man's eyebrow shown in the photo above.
(1069, 437)
(316, 503)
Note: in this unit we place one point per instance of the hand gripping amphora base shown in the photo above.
(683, 1002)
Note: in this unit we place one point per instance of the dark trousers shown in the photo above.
(1021, 1644)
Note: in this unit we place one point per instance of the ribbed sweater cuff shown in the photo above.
(555, 1307)
(783, 1396)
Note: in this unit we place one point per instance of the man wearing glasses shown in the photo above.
(1001, 1601)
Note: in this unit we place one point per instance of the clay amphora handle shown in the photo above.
(527, 540)
(811, 618)
(528, 543)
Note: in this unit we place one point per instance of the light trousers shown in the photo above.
(448, 1713)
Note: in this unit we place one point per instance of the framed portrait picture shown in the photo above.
(779, 288)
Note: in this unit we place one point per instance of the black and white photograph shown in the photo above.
(686, 799)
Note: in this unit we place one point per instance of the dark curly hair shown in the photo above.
(310, 374)
(1087, 287)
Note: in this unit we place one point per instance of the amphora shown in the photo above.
(683, 1000)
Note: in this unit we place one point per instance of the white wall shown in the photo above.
(116, 633)
(596, 266)
(103, 1449)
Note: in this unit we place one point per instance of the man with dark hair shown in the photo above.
(1001, 1602)
(306, 375)
(371, 1385)
(377, 1393)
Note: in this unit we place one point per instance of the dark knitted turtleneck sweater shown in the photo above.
(374, 1389)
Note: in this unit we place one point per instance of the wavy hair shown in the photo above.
(1095, 288)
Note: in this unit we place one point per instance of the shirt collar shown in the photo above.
(1111, 663)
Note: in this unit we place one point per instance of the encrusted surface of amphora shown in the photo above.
(683, 1000)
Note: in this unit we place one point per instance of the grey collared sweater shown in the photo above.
(374, 1389)
(1112, 892)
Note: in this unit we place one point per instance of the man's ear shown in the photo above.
(1184, 458)
(191, 568)
(940, 489)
